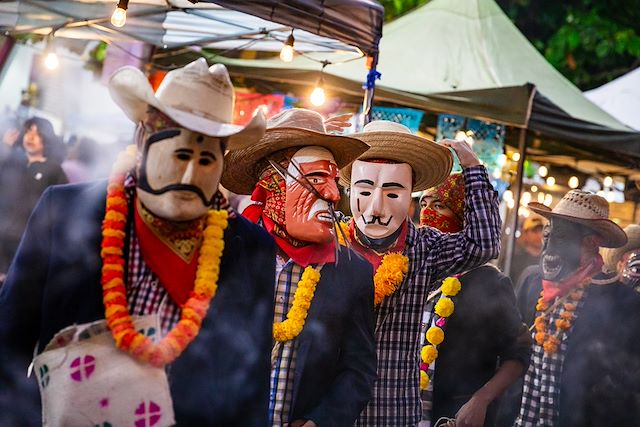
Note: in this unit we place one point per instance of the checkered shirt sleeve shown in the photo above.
(432, 257)
(283, 367)
(541, 389)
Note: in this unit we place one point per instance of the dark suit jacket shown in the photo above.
(600, 382)
(222, 378)
(336, 360)
(485, 330)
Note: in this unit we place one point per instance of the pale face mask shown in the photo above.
(308, 217)
(380, 197)
(179, 173)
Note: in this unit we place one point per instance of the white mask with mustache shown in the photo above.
(380, 197)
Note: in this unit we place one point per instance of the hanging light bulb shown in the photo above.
(551, 181)
(318, 96)
(515, 157)
(541, 197)
(526, 198)
(119, 17)
(548, 199)
(608, 181)
(51, 61)
(508, 195)
(534, 188)
(574, 182)
(543, 171)
(286, 54)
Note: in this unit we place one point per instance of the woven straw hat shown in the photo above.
(196, 96)
(431, 163)
(589, 210)
(612, 256)
(296, 127)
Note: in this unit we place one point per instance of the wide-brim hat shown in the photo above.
(589, 210)
(296, 127)
(431, 162)
(196, 96)
(612, 256)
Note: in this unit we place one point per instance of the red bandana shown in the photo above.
(374, 258)
(171, 252)
(269, 196)
(443, 223)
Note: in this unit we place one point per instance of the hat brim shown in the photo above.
(131, 90)
(431, 162)
(612, 234)
(241, 168)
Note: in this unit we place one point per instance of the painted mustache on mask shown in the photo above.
(375, 219)
(179, 187)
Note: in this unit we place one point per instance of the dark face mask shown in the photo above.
(631, 270)
(561, 249)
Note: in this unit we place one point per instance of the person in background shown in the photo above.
(528, 246)
(486, 346)
(10, 130)
(585, 366)
(23, 178)
(624, 263)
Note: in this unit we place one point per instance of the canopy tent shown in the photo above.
(620, 98)
(353, 25)
(466, 57)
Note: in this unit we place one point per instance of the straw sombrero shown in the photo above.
(612, 256)
(196, 96)
(589, 210)
(431, 163)
(296, 127)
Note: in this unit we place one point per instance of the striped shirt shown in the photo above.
(433, 255)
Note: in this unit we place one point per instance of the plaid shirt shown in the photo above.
(433, 255)
(541, 390)
(288, 275)
(145, 294)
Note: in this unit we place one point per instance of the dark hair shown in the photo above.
(54, 149)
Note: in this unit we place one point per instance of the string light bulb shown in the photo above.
(51, 61)
(286, 54)
(574, 182)
(318, 96)
(608, 181)
(543, 171)
(119, 17)
(515, 157)
(551, 181)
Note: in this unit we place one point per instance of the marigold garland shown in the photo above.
(444, 308)
(551, 342)
(291, 328)
(389, 275)
(114, 291)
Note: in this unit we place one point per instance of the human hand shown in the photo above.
(338, 123)
(464, 152)
(303, 423)
(472, 413)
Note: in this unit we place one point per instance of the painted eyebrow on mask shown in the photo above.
(363, 181)
(392, 184)
(163, 134)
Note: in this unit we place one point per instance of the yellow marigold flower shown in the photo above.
(424, 380)
(540, 336)
(389, 275)
(428, 354)
(451, 286)
(444, 307)
(435, 335)
(345, 228)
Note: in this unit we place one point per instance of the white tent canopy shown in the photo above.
(620, 98)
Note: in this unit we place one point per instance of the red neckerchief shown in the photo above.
(443, 223)
(176, 274)
(269, 195)
(373, 257)
(591, 264)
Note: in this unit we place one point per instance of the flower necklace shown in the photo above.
(389, 274)
(551, 342)
(291, 328)
(435, 334)
(114, 291)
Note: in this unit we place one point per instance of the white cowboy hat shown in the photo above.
(295, 127)
(589, 210)
(196, 96)
(612, 256)
(431, 162)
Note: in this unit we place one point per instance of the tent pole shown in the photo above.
(512, 220)
(370, 88)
